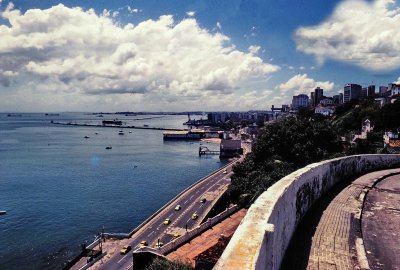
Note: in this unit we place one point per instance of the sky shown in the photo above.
(186, 55)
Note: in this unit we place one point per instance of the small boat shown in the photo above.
(86, 137)
(3, 212)
(120, 132)
(96, 133)
(145, 125)
(130, 131)
(108, 147)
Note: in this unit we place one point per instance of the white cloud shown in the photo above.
(190, 13)
(69, 50)
(254, 49)
(133, 10)
(302, 84)
(397, 81)
(364, 33)
(219, 25)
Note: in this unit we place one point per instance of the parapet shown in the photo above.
(264, 234)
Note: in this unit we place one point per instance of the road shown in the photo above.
(155, 231)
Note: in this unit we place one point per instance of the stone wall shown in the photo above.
(264, 234)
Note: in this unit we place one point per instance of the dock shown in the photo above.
(203, 150)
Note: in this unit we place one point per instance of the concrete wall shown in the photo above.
(264, 234)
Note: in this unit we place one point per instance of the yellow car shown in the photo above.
(125, 249)
(167, 221)
(194, 216)
(176, 235)
(159, 244)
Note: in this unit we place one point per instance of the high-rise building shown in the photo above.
(318, 94)
(382, 89)
(299, 101)
(371, 91)
(312, 99)
(351, 91)
(363, 93)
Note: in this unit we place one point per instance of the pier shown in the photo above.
(203, 150)
(114, 126)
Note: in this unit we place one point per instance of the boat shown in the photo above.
(145, 125)
(130, 131)
(86, 137)
(120, 132)
(108, 147)
(3, 212)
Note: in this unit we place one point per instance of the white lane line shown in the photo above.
(150, 234)
(191, 197)
(122, 258)
(129, 266)
(185, 202)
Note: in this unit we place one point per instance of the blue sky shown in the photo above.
(190, 55)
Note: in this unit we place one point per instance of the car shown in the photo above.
(194, 216)
(176, 235)
(178, 207)
(225, 171)
(203, 200)
(125, 249)
(167, 221)
(143, 243)
(159, 244)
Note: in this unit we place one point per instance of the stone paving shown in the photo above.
(337, 242)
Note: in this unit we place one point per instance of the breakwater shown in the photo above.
(114, 126)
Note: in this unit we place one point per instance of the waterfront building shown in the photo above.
(351, 91)
(300, 101)
(230, 148)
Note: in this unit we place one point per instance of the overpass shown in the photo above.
(262, 238)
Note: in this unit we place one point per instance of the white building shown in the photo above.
(324, 110)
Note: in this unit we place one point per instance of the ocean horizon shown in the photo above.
(60, 189)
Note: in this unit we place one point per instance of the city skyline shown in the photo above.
(187, 56)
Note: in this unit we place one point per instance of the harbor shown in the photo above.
(115, 126)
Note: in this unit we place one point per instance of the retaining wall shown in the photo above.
(261, 239)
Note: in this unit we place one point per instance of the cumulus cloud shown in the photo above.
(364, 33)
(190, 13)
(71, 50)
(302, 84)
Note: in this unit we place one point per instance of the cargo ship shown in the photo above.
(115, 122)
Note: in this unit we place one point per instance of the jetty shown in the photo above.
(114, 126)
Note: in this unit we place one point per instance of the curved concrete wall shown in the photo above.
(264, 234)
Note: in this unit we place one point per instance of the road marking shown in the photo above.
(185, 202)
(129, 266)
(150, 234)
(122, 258)
(191, 197)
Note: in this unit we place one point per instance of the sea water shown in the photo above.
(60, 189)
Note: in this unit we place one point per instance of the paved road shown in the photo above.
(381, 224)
(155, 230)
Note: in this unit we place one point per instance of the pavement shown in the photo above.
(207, 239)
(356, 226)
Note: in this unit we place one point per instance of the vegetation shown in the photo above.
(293, 142)
(282, 147)
(163, 264)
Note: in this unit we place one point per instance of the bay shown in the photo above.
(60, 189)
